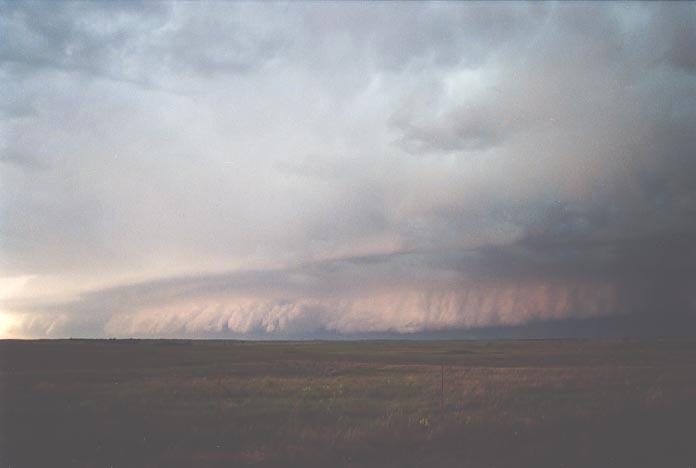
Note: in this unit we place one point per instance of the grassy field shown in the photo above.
(122, 403)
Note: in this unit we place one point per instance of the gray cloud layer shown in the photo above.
(267, 169)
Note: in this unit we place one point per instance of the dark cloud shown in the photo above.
(676, 22)
(154, 46)
(87, 38)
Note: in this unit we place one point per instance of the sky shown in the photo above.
(348, 169)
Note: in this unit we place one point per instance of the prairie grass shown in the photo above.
(220, 403)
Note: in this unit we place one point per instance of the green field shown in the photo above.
(125, 403)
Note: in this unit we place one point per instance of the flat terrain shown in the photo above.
(123, 403)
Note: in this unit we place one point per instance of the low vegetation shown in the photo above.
(132, 403)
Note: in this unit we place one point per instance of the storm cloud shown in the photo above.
(274, 170)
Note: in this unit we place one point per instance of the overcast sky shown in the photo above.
(294, 170)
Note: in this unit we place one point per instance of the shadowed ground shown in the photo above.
(126, 403)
